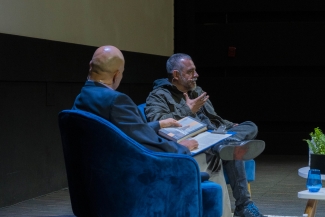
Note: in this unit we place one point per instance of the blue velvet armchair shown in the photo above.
(111, 175)
(249, 164)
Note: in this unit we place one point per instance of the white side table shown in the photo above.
(312, 197)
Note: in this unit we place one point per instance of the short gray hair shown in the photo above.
(174, 63)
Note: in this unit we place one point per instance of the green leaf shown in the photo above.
(317, 142)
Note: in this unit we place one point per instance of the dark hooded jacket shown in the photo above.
(166, 101)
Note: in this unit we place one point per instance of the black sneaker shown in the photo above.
(250, 210)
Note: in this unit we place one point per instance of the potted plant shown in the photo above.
(317, 147)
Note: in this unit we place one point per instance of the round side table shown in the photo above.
(312, 197)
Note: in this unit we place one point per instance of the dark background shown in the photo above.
(274, 78)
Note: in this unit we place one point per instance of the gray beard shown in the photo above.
(187, 84)
(193, 88)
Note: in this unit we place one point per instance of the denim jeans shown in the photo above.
(236, 168)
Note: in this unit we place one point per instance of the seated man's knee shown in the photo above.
(251, 127)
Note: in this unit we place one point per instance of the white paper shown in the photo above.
(208, 139)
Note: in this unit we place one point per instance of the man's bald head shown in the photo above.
(106, 59)
(107, 66)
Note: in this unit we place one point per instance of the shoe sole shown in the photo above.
(250, 150)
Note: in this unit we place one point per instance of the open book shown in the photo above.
(193, 129)
(190, 127)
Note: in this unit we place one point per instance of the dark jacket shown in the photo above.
(121, 111)
(166, 101)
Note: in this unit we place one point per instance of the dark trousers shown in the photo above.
(236, 168)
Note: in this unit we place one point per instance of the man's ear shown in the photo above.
(90, 65)
(175, 74)
(115, 75)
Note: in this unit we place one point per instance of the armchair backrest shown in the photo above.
(142, 108)
(110, 174)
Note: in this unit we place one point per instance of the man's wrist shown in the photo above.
(189, 110)
(161, 124)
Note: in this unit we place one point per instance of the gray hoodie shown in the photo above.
(166, 101)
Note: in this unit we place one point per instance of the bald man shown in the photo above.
(99, 96)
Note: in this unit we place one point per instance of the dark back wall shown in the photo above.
(38, 79)
(261, 61)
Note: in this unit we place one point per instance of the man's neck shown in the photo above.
(179, 87)
(103, 82)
